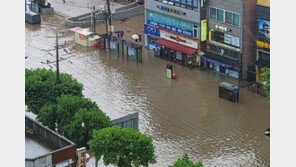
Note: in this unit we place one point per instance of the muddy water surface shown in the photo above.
(182, 116)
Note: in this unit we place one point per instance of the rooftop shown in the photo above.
(37, 146)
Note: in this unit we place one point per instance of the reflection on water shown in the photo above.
(182, 116)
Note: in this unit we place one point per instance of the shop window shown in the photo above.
(222, 69)
(228, 17)
(218, 36)
(220, 15)
(213, 13)
(236, 20)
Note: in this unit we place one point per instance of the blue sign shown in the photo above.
(151, 30)
(170, 23)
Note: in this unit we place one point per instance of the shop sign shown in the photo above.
(151, 30)
(81, 157)
(170, 23)
(263, 44)
(232, 40)
(222, 28)
(178, 39)
(170, 10)
(83, 37)
(203, 30)
(192, 3)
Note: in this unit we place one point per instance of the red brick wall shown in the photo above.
(65, 154)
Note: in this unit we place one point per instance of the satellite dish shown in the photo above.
(135, 36)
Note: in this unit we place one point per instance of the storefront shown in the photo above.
(220, 64)
(156, 21)
(263, 60)
(153, 35)
(177, 47)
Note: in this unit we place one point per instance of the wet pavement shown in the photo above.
(182, 116)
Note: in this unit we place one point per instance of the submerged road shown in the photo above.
(182, 116)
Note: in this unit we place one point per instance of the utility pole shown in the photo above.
(57, 59)
(109, 12)
(91, 19)
(94, 19)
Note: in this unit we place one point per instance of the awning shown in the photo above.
(220, 60)
(262, 63)
(75, 29)
(178, 47)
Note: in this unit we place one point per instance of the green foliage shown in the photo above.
(68, 106)
(93, 119)
(41, 88)
(265, 78)
(122, 147)
(47, 115)
(184, 162)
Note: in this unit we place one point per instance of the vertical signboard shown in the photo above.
(203, 30)
(81, 152)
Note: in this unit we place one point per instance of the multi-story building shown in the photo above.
(173, 26)
(231, 36)
(262, 36)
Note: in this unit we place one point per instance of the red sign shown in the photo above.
(178, 39)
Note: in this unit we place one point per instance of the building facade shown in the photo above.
(262, 36)
(231, 37)
(173, 29)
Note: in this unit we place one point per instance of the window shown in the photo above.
(235, 19)
(224, 16)
(213, 13)
(220, 15)
(228, 17)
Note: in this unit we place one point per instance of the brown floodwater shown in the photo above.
(182, 116)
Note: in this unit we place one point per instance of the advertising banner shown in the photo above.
(264, 28)
(151, 30)
(131, 51)
(203, 30)
(170, 23)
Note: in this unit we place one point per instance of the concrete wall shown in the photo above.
(84, 20)
(46, 133)
(191, 15)
(41, 161)
(67, 148)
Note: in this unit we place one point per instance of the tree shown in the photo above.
(84, 122)
(184, 162)
(68, 106)
(41, 88)
(122, 147)
(48, 116)
(265, 78)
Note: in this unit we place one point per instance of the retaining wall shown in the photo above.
(84, 20)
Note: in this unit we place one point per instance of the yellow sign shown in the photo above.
(203, 30)
(263, 44)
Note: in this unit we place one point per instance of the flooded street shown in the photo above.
(182, 116)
